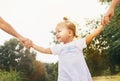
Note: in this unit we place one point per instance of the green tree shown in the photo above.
(112, 35)
(13, 54)
(51, 71)
(103, 1)
(10, 76)
(39, 72)
(95, 53)
(9, 54)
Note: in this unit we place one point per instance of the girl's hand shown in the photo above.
(108, 16)
(28, 43)
(25, 42)
(110, 13)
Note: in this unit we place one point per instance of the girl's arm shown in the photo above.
(41, 49)
(94, 34)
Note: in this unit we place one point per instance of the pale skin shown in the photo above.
(63, 34)
(110, 12)
(10, 30)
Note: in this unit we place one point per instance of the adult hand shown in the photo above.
(25, 42)
(108, 16)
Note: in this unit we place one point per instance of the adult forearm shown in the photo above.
(8, 28)
(114, 3)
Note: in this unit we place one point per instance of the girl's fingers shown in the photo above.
(105, 21)
(28, 43)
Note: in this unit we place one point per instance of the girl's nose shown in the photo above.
(56, 34)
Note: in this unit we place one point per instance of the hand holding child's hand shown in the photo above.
(28, 43)
(107, 17)
(25, 42)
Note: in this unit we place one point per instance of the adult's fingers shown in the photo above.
(106, 20)
(28, 43)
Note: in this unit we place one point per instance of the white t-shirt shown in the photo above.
(72, 65)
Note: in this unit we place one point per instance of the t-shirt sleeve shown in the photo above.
(56, 49)
(81, 43)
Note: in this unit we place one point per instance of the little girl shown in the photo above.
(72, 65)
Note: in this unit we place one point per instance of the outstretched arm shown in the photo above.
(10, 30)
(114, 3)
(94, 34)
(39, 48)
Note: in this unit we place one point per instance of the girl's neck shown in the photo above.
(70, 39)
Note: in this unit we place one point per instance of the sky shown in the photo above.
(35, 19)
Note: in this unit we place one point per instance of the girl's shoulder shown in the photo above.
(79, 38)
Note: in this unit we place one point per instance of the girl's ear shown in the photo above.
(70, 33)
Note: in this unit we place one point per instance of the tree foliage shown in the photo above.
(95, 52)
(113, 38)
(38, 73)
(105, 1)
(14, 55)
(51, 71)
(10, 76)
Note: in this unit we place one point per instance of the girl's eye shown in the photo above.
(59, 31)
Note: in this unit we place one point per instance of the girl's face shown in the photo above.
(63, 33)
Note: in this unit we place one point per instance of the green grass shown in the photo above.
(107, 78)
(10, 76)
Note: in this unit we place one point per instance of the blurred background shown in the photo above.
(37, 19)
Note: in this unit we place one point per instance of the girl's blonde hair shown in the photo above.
(70, 25)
